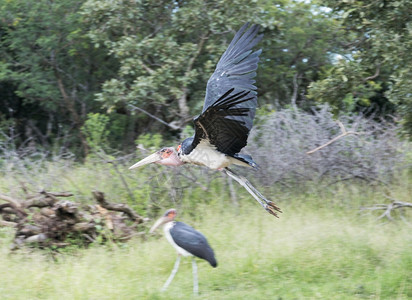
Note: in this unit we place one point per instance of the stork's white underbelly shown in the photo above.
(179, 249)
(205, 154)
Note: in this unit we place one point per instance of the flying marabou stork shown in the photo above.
(222, 129)
(188, 242)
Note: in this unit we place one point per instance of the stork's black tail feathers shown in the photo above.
(247, 159)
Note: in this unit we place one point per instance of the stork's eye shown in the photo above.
(165, 152)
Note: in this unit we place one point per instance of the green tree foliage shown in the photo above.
(376, 68)
(94, 129)
(50, 64)
(168, 50)
(62, 60)
(299, 40)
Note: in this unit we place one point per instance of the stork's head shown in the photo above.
(168, 216)
(166, 156)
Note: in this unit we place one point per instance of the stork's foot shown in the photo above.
(268, 205)
(271, 208)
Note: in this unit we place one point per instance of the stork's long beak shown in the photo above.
(159, 222)
(148, 160)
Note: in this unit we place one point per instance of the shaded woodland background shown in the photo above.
(77, 76)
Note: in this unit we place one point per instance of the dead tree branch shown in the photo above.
(114, 163)
(99, 196)
(15, 205)
(343, 134)
(44, 199)
(377, 72)
(171, 125)
(11, 200)
(388, 208)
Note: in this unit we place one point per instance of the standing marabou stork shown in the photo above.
(188, 242)
(222, 129)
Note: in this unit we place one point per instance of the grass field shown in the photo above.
(309, 253)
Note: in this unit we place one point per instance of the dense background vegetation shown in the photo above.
(83, 82)
(72, 68)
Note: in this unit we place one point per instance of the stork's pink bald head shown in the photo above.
(165, 156)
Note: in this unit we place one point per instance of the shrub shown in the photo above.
(280, 141)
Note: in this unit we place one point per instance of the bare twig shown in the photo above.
(58, 194)
(114, 163)
(377, 72)
(171, 125)
(193, 178)
(148, 70)
(388, 208)
(343, 134)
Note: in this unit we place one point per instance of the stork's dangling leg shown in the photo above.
(172, 275)
(195, 282)
(265, 203)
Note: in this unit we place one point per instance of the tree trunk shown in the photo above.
(70, 105)
(182, 101)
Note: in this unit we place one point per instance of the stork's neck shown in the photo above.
(187, 146)
(168, 226)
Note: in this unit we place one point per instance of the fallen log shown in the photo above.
(14, 204)
(38, 238)
(7, 223)
(43, 220)
(83, 227)
(11, 200)
(29, 230)
(40, 201)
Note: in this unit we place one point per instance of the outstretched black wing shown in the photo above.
(223, 123)
(231, 100)
(193, 242)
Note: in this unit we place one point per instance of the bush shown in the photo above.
(280, 141)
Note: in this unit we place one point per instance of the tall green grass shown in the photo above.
(321, 247)
(309, 253)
